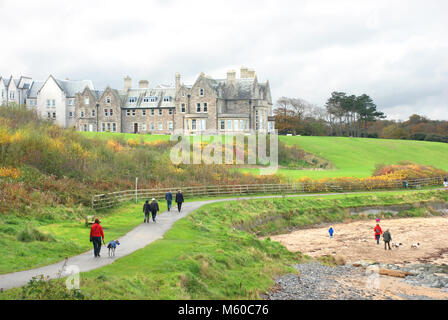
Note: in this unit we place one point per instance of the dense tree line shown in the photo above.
(352, 116)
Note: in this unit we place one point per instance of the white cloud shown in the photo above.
(394, 51)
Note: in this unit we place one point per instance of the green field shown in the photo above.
(357, 157)
(215, 252)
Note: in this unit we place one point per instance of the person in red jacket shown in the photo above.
(96, 234)
(378, 233)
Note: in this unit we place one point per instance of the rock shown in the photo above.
(339, 260)
(394, 273)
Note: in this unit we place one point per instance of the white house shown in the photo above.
(14, 90)
(55, 99)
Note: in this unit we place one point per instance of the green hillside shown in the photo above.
(353, 157)
(357, 157)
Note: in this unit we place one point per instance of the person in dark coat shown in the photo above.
(146, 211)
(154, 208)
(179, 200)
(387, 239)
(169, 199)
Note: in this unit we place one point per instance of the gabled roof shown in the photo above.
(35, 88)
(71, 87)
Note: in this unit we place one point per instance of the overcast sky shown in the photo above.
(394, 51)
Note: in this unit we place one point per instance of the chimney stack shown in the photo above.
(143, 84)
(231, 75)
(243, 73)
(127, 83)
(177, 80)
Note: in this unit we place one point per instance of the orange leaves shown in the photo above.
(114, 145)
(9, 172)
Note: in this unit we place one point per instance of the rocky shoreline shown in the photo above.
(316, 281)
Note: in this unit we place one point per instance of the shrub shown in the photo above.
(29, 234)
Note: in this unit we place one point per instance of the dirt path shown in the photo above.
(355, 241)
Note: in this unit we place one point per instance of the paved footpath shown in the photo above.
(136, 239)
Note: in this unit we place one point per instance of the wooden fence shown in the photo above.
(111, 199)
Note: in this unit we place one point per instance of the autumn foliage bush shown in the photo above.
(42, 164)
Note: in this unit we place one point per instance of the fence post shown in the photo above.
(136, 190)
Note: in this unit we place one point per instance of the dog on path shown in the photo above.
(112, 246)
(415, 245)
(396, 245)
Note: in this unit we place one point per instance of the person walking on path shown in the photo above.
(169, 199)
(179, 199)
(154, 208)
(387, 239)
(146, 211)
(378, 233)
(331, 231)
(445, 182)
(96, 234)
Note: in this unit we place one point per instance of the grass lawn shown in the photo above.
(357, 157)
(66, 226)
(214, 253)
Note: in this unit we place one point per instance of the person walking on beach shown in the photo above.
(169, 199)
(146, 211)
(96, 233)
(378, 233)
(387, 239)
(154, 208)
(331, 231)
(179, 199)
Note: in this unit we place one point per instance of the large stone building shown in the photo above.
(209, 105)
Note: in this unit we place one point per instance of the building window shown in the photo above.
(70, 102)
(152, 112)
(84, 127)
(11, 95)
(54, 115)
(92, 112)
(152, 126)
(235, 125)
(132, 99)
(188, 124)
(111, 112)
(153, 99)
(145, 99)
(223, 124)
(48, 102)
(128, 112)
(143, 126)
(205, 107)
(108, 126)
(133, 112)
(82, 114)
(170, 125)
(182, 107)
(70, 114)
(198, 107)
(114, 127)
(48, 115)
(193, 124)
(201, 92)
(105, 113)
(144, 113)
(229, 124)
(256, 120)
(53, 102)
(202, 124)
(103, 127)
(167, 99)
(160, 112)
(242, 125)
(107, 100)
(170, 111)
(160, 126)
(86, 100)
